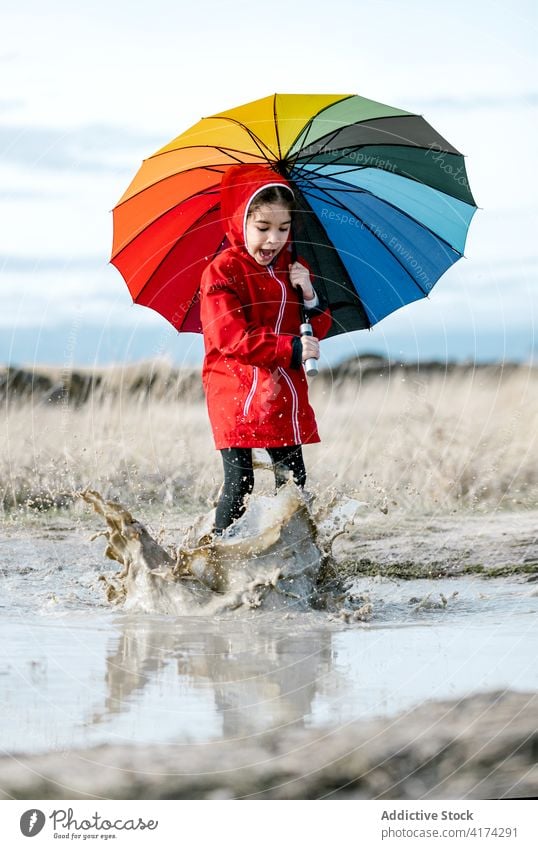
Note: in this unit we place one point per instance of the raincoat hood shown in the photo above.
(239, 186)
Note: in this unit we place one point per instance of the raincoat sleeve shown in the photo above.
(320, 318)
(226, 328)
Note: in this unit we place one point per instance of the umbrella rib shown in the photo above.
(215, 168)
(335, 161)
(359, 218)
(167, 254)
(161, 215)
(352, 149)
(318, 166)
(360, 189)
(276, 128)
(404, 176)
(355, 147)
(308, 126)
(347, 277)
(256, 139)
(194, 147)
(378, 144)
(315, 169)
(323, 196)
(404, 213)
(330, 137)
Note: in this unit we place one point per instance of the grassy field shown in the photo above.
(430, 439)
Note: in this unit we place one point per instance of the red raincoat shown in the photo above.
(250, 315)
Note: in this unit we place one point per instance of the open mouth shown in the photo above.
(266, 255)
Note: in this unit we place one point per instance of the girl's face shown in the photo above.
(267, 231)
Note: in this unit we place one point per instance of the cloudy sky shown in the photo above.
(91, 88)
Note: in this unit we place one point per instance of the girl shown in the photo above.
(255, 385)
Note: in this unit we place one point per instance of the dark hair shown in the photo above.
(273, 194)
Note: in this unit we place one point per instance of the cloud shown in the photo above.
(8, 104)
(22, 194)
(482, 101)
(23, 264)
(93, 148)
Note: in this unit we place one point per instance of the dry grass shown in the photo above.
(467, 439)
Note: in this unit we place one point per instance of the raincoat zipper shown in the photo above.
(282, 303)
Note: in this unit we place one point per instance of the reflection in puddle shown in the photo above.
(245, 679)
(86, 679)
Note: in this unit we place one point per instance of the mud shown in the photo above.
(271, 558)
(482, 747)
(375, 684)
(493, 544)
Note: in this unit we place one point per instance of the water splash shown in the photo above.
(271, 558)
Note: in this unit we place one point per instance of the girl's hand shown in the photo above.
(310, 347)
(300, 278)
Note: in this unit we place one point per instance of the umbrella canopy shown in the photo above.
(384, 204)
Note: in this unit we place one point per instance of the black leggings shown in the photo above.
(239, 478)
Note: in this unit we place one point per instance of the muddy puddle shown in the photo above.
(258, 645)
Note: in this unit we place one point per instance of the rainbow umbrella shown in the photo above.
(384, 204)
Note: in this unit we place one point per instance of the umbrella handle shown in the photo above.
(311, 364)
